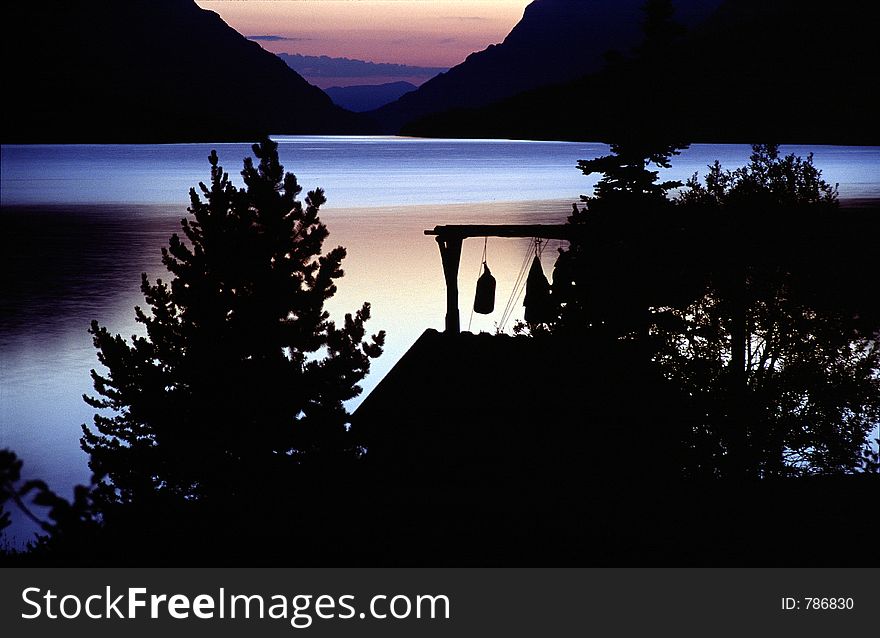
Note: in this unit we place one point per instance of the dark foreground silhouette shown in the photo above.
(698, 390)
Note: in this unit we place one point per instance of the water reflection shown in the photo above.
(371, 171)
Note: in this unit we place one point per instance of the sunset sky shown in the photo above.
(417, 32)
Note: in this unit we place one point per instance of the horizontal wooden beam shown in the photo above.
(543, 231)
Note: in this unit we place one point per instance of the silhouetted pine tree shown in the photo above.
(603, 282)
(626, 178)
(241, 375)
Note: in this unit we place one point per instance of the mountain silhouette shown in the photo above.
(149, 71)
(323, 70)
(366, 97)
(786, 70)
(556, 41)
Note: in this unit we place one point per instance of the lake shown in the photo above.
(80, 223)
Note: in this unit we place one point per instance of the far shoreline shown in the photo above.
(235, 139)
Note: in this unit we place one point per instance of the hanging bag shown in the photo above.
(539, 308)
(484, 299)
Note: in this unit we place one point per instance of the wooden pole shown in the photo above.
(450, 253)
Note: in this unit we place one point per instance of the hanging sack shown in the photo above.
(539, 308)
(484, 299)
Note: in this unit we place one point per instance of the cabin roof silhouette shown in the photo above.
(459, 406)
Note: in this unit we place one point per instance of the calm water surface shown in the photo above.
(80, 223)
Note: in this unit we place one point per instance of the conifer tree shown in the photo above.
(241, 375)
(626, 179)
(603, 280)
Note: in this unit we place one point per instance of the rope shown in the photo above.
(520, 285)
(483, 263)
(510, 302)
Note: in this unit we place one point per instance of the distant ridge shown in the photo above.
(366, 97)
(148, 71)
(323, 68)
